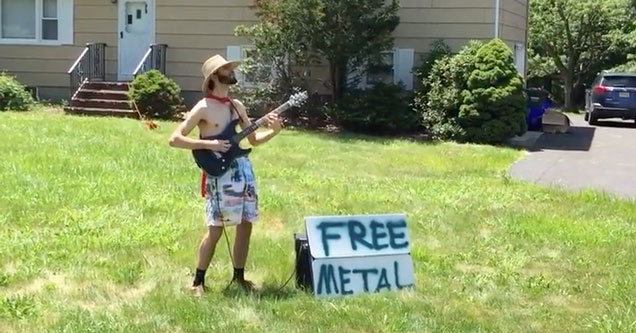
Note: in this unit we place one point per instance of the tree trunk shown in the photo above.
(342, 78)
(333, 73)
(578, 95)
(568, 86)
(338, 71)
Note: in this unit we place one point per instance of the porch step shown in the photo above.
(101, 112)
(102, 103)
(102, 98)
(118, 95)
(106, 85)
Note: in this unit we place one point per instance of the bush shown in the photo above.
(439, 50)
(384, 109)
(156, 95)
(494, 105)
(439, 102)
(13, 95)
(475, 96)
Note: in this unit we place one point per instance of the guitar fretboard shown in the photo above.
(260, 122)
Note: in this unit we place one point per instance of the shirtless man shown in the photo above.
(231, 199)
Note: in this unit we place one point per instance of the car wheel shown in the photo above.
(593, 119)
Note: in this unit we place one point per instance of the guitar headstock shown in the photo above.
(298, 99)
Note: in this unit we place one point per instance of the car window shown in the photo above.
(619, 81)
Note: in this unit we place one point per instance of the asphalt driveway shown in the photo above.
(589, 157)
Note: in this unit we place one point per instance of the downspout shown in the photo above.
(496, 18)
(527, 42)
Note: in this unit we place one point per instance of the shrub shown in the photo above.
(439, 102)
(13, 95)
(439, 50)
(494, 104)
(156, 95)
(475, 96)
(384, 109)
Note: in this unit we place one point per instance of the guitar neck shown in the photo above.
(260, 122)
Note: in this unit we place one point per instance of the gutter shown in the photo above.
(527, 42)
(497, 18)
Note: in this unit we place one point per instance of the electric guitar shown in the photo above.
(217, 163)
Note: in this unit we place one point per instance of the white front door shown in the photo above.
(136, 33)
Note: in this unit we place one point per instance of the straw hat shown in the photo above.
(210, 67)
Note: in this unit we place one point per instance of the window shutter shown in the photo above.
(65, 21)
(234, 53)
(520, 59)
(403, 67)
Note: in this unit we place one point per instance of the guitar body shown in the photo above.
(217, 163)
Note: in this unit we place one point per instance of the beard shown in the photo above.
(228, 79)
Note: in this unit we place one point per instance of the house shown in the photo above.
(56, 46)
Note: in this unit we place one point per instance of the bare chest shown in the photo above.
(215, 119)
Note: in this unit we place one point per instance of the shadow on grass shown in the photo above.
(268, 291)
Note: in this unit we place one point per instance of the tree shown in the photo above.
(345, 33)
(629, 66)
(354, 32)
(578, 38)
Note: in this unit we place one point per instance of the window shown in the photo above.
(383, 70)
(257, 73)
(394, 66)
(18, 19)
(36, 21)
(619, 81)
(49, 19)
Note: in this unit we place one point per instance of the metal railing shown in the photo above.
(155, 58)
(89, 66)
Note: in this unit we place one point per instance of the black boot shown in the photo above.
(239, 278)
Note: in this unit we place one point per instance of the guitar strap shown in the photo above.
(235, 110)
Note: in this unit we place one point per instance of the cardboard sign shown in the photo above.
(357, 236)
(358, 254)
(348, 276)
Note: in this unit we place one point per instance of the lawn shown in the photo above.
(100, 221)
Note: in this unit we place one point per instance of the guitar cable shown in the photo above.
(229, 248)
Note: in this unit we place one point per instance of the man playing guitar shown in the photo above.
(232, 198)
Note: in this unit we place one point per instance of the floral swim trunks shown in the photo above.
(232, 197)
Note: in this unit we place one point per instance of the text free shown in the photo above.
(382, 235)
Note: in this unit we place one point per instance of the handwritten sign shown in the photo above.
(361, 253)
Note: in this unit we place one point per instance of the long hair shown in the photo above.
(211, 85)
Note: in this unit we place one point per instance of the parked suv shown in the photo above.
(613, 95)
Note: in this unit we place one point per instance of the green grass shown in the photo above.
(100, 221)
